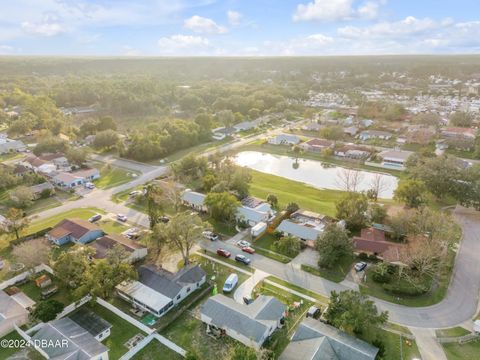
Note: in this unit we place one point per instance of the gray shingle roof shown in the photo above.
(81, 344)
(189, 275)
(253, 321)
(194, 198)
(299, 230)
(318, 341)
(158, 281)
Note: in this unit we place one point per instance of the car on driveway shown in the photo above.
(122, 218)
(360, 266)
(243, 259)
(94, 218)
(248, 249)
(224, 253)
(230, 283)
(243, 243)
(210, 235)
(90, 185)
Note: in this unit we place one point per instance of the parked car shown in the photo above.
(314, 312)
(360, 266)
(95, 218)
(230, 283)
(243, 243)
(248, 249)
(243, 259)
(135, 193)
(210, 235)
(90, 185)
(224, 253)
(122, 218)
(164, 219)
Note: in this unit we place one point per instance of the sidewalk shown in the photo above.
(427, 344)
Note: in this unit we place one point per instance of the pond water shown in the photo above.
(318, 174)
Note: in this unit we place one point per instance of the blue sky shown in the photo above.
(238, 27)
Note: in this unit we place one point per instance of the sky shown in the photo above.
(238, 27)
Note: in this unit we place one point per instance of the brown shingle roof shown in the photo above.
(373, 241)
(107, 242)
(75, 227)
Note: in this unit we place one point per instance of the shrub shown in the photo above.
(363, 256)
(381, 278)
(405, 289)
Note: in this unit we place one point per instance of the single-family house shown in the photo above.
(74, 230)
(419, 135)
(244, 126)
(284, 139)
(366, 123)
(395, 158)
(374, 134)
(250, 324)
(133, 249)
(316, 340)
(351, 130)
(75, 342)
(11, 313)
(194, 199)
(90, 174)
(305, 225)
(316, 145)
(157, 290)
(74, 179)
(20, 170)
(459, 138)
(353, 151)
(98, 327)
(372, 241)
(10, 146)
(312, 126)
(40, 189)
(222, 132)
(254, 210)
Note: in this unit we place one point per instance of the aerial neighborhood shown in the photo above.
(159, 210)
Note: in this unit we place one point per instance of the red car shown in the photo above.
(223, 253)
(248, 249)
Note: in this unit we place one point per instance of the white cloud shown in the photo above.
(335, 10)
(203, 25)
(184, 45)
(49, 25)
(130, 51)
(6, 49)
(234, 17)
(307, 45)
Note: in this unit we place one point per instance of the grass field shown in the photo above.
(396, 347)
(468, 351)
(452, 332)
(337, 273)
(154, 350)
(111, 176)
(111, 227)
(321, 299)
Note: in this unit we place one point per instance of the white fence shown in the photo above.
(25, 275)
(73, 306)
(155, 336)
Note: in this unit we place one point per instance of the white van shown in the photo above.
(230, 283)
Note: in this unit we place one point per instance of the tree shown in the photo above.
(332, 245)
(51, 144)
(288, 245)
(106, 123)
(71, 266)
(222, 206)
(461, 119)
(103, 275)
(15, 222)
(226, 117)
(334, 133)
(153, 197)
(349, 179)
(106, 139)
(291, 207)
(272, 200)
(412, 192)
(21, 197)
(209, 181)
(377, 186)
(353, 208)
(378, 213)
(77, 156)
(182, 231)
(47, 310)
(32, 253)
(353, 313)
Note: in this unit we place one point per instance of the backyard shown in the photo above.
(468, 351)
(153, 350)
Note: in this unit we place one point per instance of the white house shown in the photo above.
(305, 225)
(249, 324)
(284, 139)
(11, 313)
(194, 199)
(157, 290)
(374, 134)
(134, 250)
(254, 211)
(395, 158)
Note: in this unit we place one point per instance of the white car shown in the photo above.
(243, 243)
(210, 235)
(90, 185)
(121, 217)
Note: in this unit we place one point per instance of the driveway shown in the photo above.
(123, 163)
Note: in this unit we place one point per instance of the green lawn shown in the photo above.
(155, 350)
(432, 297)
(265, 247)
(451, 332)
(111, 176)
(82, 213)
(394, 347)
(10, 156)
(121, 331)
(336, 274)
(43, 204)
(321, 299)
(112, 227)
(468, 351)
(6, 352)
